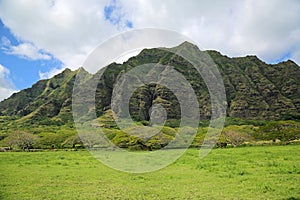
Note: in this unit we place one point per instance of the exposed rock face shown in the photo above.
(254, 89)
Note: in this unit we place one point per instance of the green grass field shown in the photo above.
(264, 172)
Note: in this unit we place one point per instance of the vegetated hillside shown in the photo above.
(45, 100)
(263, 103)
(254, 89)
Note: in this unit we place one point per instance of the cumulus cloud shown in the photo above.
(23, 50)
(6, 86)
(114, 13)
(236, 28)
(51, 73)
(71, 29)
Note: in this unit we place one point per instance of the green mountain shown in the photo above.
(263, 103)
(254, 90)
(45, 100)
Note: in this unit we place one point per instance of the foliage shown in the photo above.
(51, 140)
(21, 140)
(255, 91)
(257, 94)
(73, 142)
(282, 130)
(234, 138)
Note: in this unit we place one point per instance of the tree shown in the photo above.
(235, 138)
(21, 140)
(50, 140)
(72, 141)
(282, 130)
(91, 139)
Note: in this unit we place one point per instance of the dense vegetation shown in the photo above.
(235, 133)
(263, 104)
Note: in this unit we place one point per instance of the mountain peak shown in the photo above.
(289, 62)
(186, 45)
(81, 70)
(66, 71)
(248, 82)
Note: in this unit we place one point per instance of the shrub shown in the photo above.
(235, 138)
(21, 140)
(282, 130)
(51, 140)
(73, 141)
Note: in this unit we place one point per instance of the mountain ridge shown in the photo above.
(254, 89)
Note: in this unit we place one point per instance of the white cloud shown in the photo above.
(23, 50)
(71, 29)
(236, 28)
(114, 13)
(51, 73)
(125, 56)
(6, 86)
(68, 29)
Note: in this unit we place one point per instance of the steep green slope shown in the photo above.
(47, 101)
(254, 89)
(260, 91)
(257, 94)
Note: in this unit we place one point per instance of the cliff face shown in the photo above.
(254, 89)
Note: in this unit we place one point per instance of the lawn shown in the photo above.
(261, 172)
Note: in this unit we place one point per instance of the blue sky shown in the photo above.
(25, 64)
(113, 13)
(24, 71)
(38, 39)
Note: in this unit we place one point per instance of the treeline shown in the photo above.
(235, 133)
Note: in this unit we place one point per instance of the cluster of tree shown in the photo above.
(235, 135)
(20, 140)
(233, 138)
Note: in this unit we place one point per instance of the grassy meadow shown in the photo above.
(260, 172)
